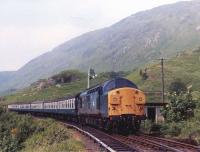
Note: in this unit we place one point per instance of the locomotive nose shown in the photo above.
(126, 101)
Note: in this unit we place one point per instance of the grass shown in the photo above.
(55, 137)
(50, 93)
(184, 130)
(25, 134)
(53, 92)
(185, 66)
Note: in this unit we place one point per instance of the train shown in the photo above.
(116, 105)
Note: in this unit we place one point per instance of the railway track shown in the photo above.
(133, 143)
(149, 143)
(107, 142)
(144, 144)
(171, 143)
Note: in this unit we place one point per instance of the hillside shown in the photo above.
(184, 66)
(52, 88)
(135, 40)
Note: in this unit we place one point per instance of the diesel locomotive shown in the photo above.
(115, 105)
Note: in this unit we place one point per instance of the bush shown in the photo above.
(177, 86)
(68, 76)
(54, 137)
(14, 130)
(22, 133)
(146, 127)
(181, 107)
(171, 129)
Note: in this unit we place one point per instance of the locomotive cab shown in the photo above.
(125, 104)
(116, 103)
(126, 101)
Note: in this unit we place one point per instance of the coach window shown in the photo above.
(88, 101)
(73, 103)
(67, 104)
(80, 101)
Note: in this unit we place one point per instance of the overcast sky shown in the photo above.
(29, 28)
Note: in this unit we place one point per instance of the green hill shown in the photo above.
(184, 66)
(73, 81)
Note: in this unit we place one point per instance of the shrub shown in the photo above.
(181, 107)
(14, 130)
(177, 86)
(171, 129)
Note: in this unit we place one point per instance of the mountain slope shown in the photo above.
(6, 76)
(185, 66)
(138, 39)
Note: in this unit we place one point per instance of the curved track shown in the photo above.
(172, 143)
(133, 143)
(107, 142)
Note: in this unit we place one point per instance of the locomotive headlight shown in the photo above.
(115, 100)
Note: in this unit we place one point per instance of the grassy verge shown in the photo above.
(25, 134)
(188, 130)
(54, 137)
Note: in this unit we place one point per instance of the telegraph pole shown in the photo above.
(163, 82)
(162, 77)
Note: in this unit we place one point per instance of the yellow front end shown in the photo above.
(126, 101)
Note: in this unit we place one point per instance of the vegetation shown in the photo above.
(181, 73)
(180, 107)
(23, 133)
(144, 74)
(66, 83)
(177, 87)
(188, 129)
(181, 69)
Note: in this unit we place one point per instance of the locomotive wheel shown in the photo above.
(137, 124)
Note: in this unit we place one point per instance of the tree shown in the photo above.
(181, 107)
(177, 86)
(144, 74)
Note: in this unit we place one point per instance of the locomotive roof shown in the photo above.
(117, 83)
(111, 84)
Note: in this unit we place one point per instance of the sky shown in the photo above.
(29, 28)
